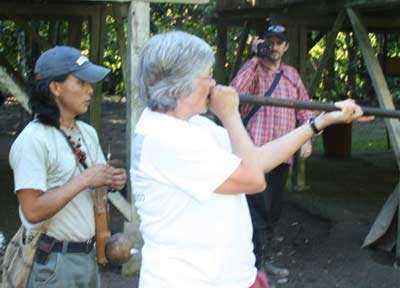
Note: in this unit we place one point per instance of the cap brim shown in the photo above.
(92, 73)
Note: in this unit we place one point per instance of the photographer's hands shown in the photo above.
(257, 40)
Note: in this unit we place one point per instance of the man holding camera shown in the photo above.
(266, 75)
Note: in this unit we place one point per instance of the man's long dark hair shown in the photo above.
(44, 107)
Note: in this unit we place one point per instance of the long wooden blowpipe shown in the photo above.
(312, 105)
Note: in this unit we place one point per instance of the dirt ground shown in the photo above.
(319, 234)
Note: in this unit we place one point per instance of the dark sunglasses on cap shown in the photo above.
(276, 29)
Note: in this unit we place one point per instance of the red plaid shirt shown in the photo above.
(269, 122)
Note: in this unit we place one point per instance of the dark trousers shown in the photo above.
(265, 208)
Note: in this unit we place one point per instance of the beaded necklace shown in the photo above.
(73, 137)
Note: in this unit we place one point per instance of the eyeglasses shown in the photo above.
(208, 77)
(276, 29)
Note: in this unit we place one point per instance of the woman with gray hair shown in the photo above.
(190, 176)
(171, 64)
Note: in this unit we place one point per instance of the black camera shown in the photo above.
(263, 49)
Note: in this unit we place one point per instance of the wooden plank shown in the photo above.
(121, 204)
(381, 89)
(14, 89)
(330, 42)
(138, 34)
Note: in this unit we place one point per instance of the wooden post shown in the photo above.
(300, 181)
(119, 27)
(138, 34)
(330, 42)
(303, 51)
(75, 32)
(14, 89)
(297, 57)
(381, 89)
(220, 58)
(292, 55)
(97, 39)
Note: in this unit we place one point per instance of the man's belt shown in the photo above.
(67, 246)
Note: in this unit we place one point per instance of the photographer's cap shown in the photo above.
(62, 60)
(278, 31)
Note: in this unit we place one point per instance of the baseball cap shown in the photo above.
(62, 60)
(276, 30)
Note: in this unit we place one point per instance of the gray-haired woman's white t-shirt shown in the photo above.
(193, 236)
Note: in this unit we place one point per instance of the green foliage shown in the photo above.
(350, 77)
(186, 17)
(8, 41)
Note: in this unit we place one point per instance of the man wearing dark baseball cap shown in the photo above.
(277, 31)
(57, 162)
(266, 75)
(62, 60)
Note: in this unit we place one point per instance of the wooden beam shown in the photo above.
(121, 204)
(314, 42)
(330, 42)
(242, 46)
(14, 89)
(370, 3)
(375, 72)
(385, 99)
(156, 1)
(21, 22)
(10, 70)
(321, 22)
(181, 1)
(48, 10)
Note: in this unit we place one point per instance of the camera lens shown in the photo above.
(263, 49)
